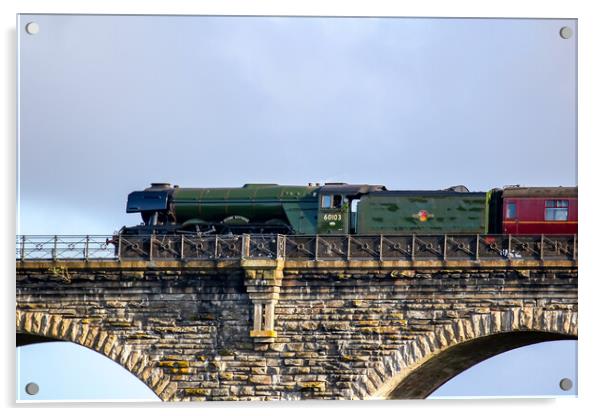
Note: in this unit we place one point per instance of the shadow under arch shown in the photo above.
(24, 339)
(442, 367)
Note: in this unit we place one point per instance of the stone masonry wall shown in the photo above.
(339, 333)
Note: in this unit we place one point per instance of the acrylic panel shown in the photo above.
(409, 249)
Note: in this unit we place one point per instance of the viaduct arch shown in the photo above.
(433, 359)
(37, 327)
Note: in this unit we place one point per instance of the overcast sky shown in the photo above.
(108, 104)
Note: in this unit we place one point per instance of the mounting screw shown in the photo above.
(32, 28)
(32, 389)
(566, 32)
(566, 384)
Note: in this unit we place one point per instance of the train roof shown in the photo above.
(458, 190)
(429, 193)
(350, 189)
(540, 192)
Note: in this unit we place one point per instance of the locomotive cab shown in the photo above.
(333, 214)
(337, 207)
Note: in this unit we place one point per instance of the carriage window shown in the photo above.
(326, 200)
(511, 211)
(338, 201)
(557, 210)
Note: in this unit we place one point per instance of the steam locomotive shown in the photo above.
(340, 208)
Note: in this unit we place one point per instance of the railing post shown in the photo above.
(444, 247)
(380, 248)
(245, 249)
(348, 247)
(22, 248)
(317, 246)
(413, 246)
(509, 245)
(216, 243)
(54, 249)
(182, 247)
(87, 248)
(541, 247)
(279, 249)
(476, 250)
(119, 247)
(574, 246)
(150, 247)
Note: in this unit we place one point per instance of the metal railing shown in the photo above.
(297, 247)
(65, 247)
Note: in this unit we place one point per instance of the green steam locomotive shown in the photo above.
(332, 208)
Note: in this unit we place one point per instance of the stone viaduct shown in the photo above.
(277, 330)
(229, 318)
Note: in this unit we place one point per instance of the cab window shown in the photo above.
(332, 201)
(337, 201)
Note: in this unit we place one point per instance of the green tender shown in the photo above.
(424, 212)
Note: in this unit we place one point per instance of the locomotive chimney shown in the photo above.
(160, 185)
